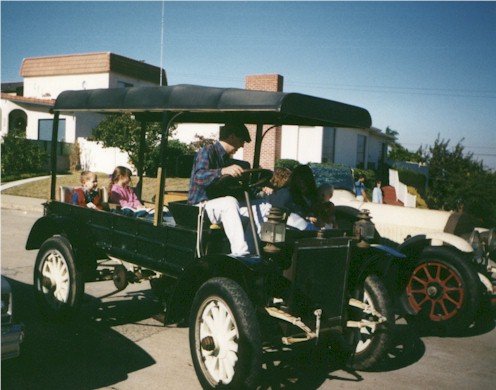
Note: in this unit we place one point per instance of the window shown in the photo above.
(328, 144)
(123, 84)
(45, 130)
(361, 148)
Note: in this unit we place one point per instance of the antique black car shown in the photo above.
(322, 287)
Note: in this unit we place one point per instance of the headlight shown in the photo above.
(364, 228)
(6, 300)
(491, 241)
(475, 240)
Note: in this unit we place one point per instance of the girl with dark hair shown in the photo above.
(122, 193)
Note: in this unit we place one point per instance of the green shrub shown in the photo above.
(20, 155)
(286, 163)
(413, 179)
(175, 150)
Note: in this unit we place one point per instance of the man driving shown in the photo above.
(210, 163)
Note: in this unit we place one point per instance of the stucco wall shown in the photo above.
(49, 87)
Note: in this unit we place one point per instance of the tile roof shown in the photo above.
(28, 100)
(89, 63)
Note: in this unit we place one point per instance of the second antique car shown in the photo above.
(451, 265)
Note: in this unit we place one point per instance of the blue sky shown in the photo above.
(421, 68)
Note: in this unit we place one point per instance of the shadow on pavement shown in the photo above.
(307, 367)
(82, 354)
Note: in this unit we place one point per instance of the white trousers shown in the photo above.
(234, 217)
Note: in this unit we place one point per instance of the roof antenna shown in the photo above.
(162, 42)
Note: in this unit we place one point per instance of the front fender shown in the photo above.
(436, 239)
(380, 260)
(78, 234)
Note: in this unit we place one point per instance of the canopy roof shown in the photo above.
(198, 104)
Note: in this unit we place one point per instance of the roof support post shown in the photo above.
(141, 157)
(53, 155)
(161, 172)
(258, 146)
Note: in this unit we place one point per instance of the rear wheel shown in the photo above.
(224, 336)
(443, 290)
(373, 341)
(58, 282)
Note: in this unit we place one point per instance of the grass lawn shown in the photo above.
(41, 188)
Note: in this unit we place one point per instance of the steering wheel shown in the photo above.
(256, 177)
(235, 186)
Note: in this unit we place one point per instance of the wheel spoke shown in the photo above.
(457, 303)
(421, 281)
(445, 281)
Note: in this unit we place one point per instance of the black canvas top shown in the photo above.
(198, 104)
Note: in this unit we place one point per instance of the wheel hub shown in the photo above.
(434, 291)
(208, 343)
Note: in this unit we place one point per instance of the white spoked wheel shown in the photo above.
(366, 333)
(219, 341)
(372, 341)
(59, 284)
(55, 278)
(224, 336)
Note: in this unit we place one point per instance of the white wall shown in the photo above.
(346, 143)
(302, 143)
(34, 114)
(49, 87)
(86, 122)
(186, 132)
(95, 157)
(115, 78)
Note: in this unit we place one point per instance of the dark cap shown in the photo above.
(236, 128)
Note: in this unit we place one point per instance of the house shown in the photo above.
(27, 107)
(360, 148)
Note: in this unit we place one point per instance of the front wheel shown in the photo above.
(58, 282)
(443, 290)
(224, 336)
(372, 342)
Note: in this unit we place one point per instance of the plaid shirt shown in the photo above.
(207, 167)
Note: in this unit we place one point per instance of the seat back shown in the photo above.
(104, 195)
(65, 193)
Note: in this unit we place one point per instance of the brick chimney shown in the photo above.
(271, 145)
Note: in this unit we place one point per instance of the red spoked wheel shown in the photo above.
(443, 290)
(436, 288)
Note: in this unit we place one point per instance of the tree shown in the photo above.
(400, 153)
(456, 178)
(123, 132)
(199, 142)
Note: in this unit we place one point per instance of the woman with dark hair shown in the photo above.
(299, 197)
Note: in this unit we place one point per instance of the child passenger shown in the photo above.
(123, 194)
(87, 195)
(279, 179)
(325, 212)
